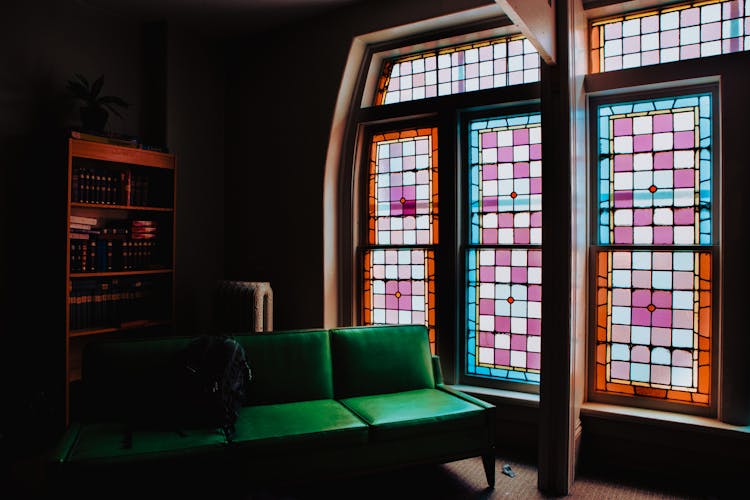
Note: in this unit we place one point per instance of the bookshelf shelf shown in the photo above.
(120, 328)
(120, 207)
(119, 248)
(120, 273)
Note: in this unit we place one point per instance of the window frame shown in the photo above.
(467, 116)
(447, 114)
(630, 94)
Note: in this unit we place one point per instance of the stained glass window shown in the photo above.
(482, 65)
(504, 258)
(654, 324)
(684, 31)
(402, 188)
(653, 278)
(399, 287)
(399, 266)
(505, 179)
(655, 172)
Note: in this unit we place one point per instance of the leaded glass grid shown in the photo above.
(399, 287)
(505, 180)
(402, 229)
(673, 33)
(655, 171)
(504, 313)
(504, 258)
(402, 188)
(653, 263)
(487, 64)
(653, 324)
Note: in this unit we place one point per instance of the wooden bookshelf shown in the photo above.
(120, 247)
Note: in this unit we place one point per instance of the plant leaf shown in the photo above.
(96, 87)
(110, 100)
(83, 80)
(78, 90)
(112, 109)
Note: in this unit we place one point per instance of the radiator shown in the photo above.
(243, 306)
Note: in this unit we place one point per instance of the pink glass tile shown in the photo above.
(684, 140)
(661, 336)
(518, 275)
(650, 57)
(660, 374)
(623, 126)
(502, 257)
(534, 360)
(623, 199)
(683, 319)
(690, 51)
(642, 142)
(624, 235)
(663, 160)
(502, 357)
(641, 279)
(620, 370)
(623, 163)
(684, 216)
(518, 342)
(640, 354)
(682, 280)
(640, 316)
(682, 358)
(650, 24)
(669, 38)
(662, 123)
(710, 32)
(631, 44)
(642, 217)
(690, 17)
(684, 178)
(663, 235)
(502, 324)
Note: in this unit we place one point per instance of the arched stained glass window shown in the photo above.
(499, 62)
(504, 258)
(672, 33)
(653, 268)
(423, 253)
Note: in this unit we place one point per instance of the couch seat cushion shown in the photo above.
(301, 424)
(417, 412)
(106, 443)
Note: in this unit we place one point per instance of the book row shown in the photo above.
(112, 303)
(107, 187)
(102, 255)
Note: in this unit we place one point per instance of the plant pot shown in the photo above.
(93, 119)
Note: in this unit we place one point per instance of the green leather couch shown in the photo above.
(322, 403)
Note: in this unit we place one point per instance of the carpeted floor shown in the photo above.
(460, 480)
(463, 479)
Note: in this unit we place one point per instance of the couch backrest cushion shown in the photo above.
(130, 378)
(380, 360)
(288, 366)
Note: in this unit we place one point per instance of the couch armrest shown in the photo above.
(466, 397)
(60, 453)
(437, 372)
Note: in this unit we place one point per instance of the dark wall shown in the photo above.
(195, 131)
(42, 44)
(280, 102)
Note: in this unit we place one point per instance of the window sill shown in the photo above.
(642, 415)
(499, 395)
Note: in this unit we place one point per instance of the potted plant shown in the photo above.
(96, 108)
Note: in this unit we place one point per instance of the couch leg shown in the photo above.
(488, 460)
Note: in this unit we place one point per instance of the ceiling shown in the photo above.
(221, 17)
